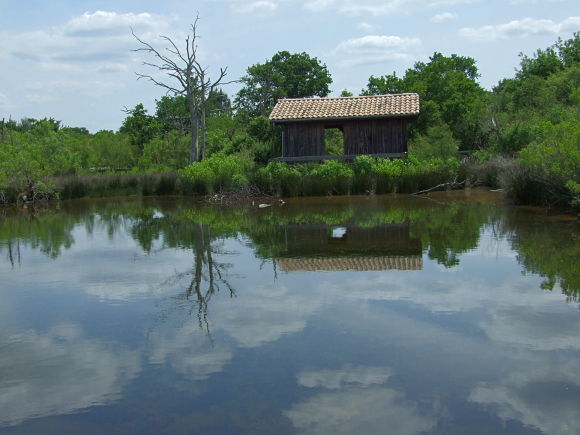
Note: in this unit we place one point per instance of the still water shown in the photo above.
(369, 315)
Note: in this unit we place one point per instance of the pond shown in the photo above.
(368, 315)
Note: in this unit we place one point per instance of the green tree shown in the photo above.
(449, 93)
(437, 142)
(140, 126)
(286, 75)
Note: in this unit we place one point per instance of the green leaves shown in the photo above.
(286, 75)
(449, 93)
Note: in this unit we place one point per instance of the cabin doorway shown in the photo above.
(333, 142)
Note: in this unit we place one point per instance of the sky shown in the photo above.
(73, 60)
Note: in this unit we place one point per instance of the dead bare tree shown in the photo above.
(190, 78)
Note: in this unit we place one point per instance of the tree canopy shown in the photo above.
(449, 93)
(286, 75)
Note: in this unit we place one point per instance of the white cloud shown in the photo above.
(445, 16)
(103, 24)
(523, 28)
(88, 55)
(365, 27)
(378, 7)
(375, 48)
(59, 372)
(256, 8)
(99, 37)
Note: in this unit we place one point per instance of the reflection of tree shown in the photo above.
(206, 271)
(49, 231)
(207, 275)
(13, 248)
(547, 247)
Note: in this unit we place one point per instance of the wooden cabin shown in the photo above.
(375, 125)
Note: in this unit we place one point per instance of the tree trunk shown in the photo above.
(202, 130)
(193, 128)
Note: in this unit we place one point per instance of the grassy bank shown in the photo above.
(222, 173)
(523, 184)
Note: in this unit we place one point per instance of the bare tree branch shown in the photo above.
(193, 79)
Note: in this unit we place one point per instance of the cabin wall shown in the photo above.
(375, 136)
(303, 139)
(361, 136)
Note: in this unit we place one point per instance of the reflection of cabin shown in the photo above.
(320, 247)
(375, 125)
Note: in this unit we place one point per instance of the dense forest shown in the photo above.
(524, 133)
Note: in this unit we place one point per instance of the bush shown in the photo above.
(281, 179)
(217, 172)
(330, 177)
(554, 158)
(438, 142)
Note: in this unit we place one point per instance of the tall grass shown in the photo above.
(78, 186)
(366, 174)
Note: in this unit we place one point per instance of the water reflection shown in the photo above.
(336, 315)
(59, 372)
(355, 399)
(544, 395)
(322, 247)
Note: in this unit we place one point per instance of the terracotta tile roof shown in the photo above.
(375, 106)
(350, 263)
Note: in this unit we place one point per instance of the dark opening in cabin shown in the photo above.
(333, 142)
(375, 125)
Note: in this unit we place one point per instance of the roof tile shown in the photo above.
(294, 109)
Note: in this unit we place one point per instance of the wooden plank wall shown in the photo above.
(375, 136)
(303, 139)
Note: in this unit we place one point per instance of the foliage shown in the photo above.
(555, 156)
(218, 172)
(162, 154)
(140, 127)
(281, 178)
(333, 142)
(449, 94)
(366, 174)
(438, 141)
(285, 75)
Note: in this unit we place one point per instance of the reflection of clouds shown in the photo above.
(544, 395)
(349, 376)
(517, 313)
(111, 269)
(263, 314)
(189, 352)
(534, 329)
(448, 294)
(362, 405)
(59, 372)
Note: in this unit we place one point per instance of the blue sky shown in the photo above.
(72, 60)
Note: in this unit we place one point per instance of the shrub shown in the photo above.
(331, 177)
(438, 142)
(217, 172)
(281, 178)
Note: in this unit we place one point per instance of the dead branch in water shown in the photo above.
(236, 196)
(451, 184)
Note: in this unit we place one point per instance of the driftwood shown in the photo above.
(451, 184)
(245, 194)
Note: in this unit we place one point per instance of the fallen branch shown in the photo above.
(236, 196)
(451, 184)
